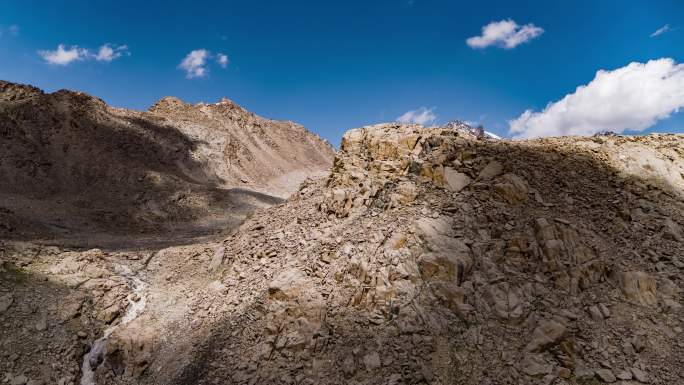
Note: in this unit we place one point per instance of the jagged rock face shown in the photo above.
(371, 159)
(540, 263)
(374, 159)
(70, 164)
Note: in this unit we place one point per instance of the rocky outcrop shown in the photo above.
(435, 257)
(391, 159)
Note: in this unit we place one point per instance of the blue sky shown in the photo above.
(335, 65)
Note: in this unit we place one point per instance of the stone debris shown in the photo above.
(596, 313)
(639, 286)
(19, 380)
(217, 258)
(640, 375)
(426, 256)
(371, 361)
(5, 302)
(672, 231)
(624, 375)
(547, 334)
(490, 171)
(456, 181)
(287, 284)
(606, 375)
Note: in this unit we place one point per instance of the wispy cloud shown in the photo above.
(633, 97)
(222, 60)
(422, 115)
(107, 53)
(505, 34)
(195, 64)
(12, 29)
(65, 55)
(664, 29)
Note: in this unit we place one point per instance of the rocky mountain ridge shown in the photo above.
(245, 149)
(71, 165)
(468, 128)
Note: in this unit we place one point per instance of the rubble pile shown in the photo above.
(426, 256)
(429, 256)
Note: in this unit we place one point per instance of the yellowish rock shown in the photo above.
(639, 286)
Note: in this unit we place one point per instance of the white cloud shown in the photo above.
(222, 60)
(107, 53)
(14, 30)
(422, 115)
(633, 97)
(194, 64)
(505, 33)
(64, 55)
(662, 30)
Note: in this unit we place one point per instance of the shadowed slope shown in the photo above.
(73, 167)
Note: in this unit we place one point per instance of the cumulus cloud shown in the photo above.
(222, 60)
(505, 34)
(107, 53)
(633, 97)
(422, 115)
(664, 29)
(64, 55)
(194, 64)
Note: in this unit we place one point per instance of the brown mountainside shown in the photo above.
(71, 164)
(423, 256)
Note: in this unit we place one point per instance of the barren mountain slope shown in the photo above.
(71, 166)
(427, 256)
(245, 149)
(433, 258)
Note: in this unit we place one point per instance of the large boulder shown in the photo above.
(512, 188)
(287, 284)
(456, 181)
(547, 334)
(640, 287)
